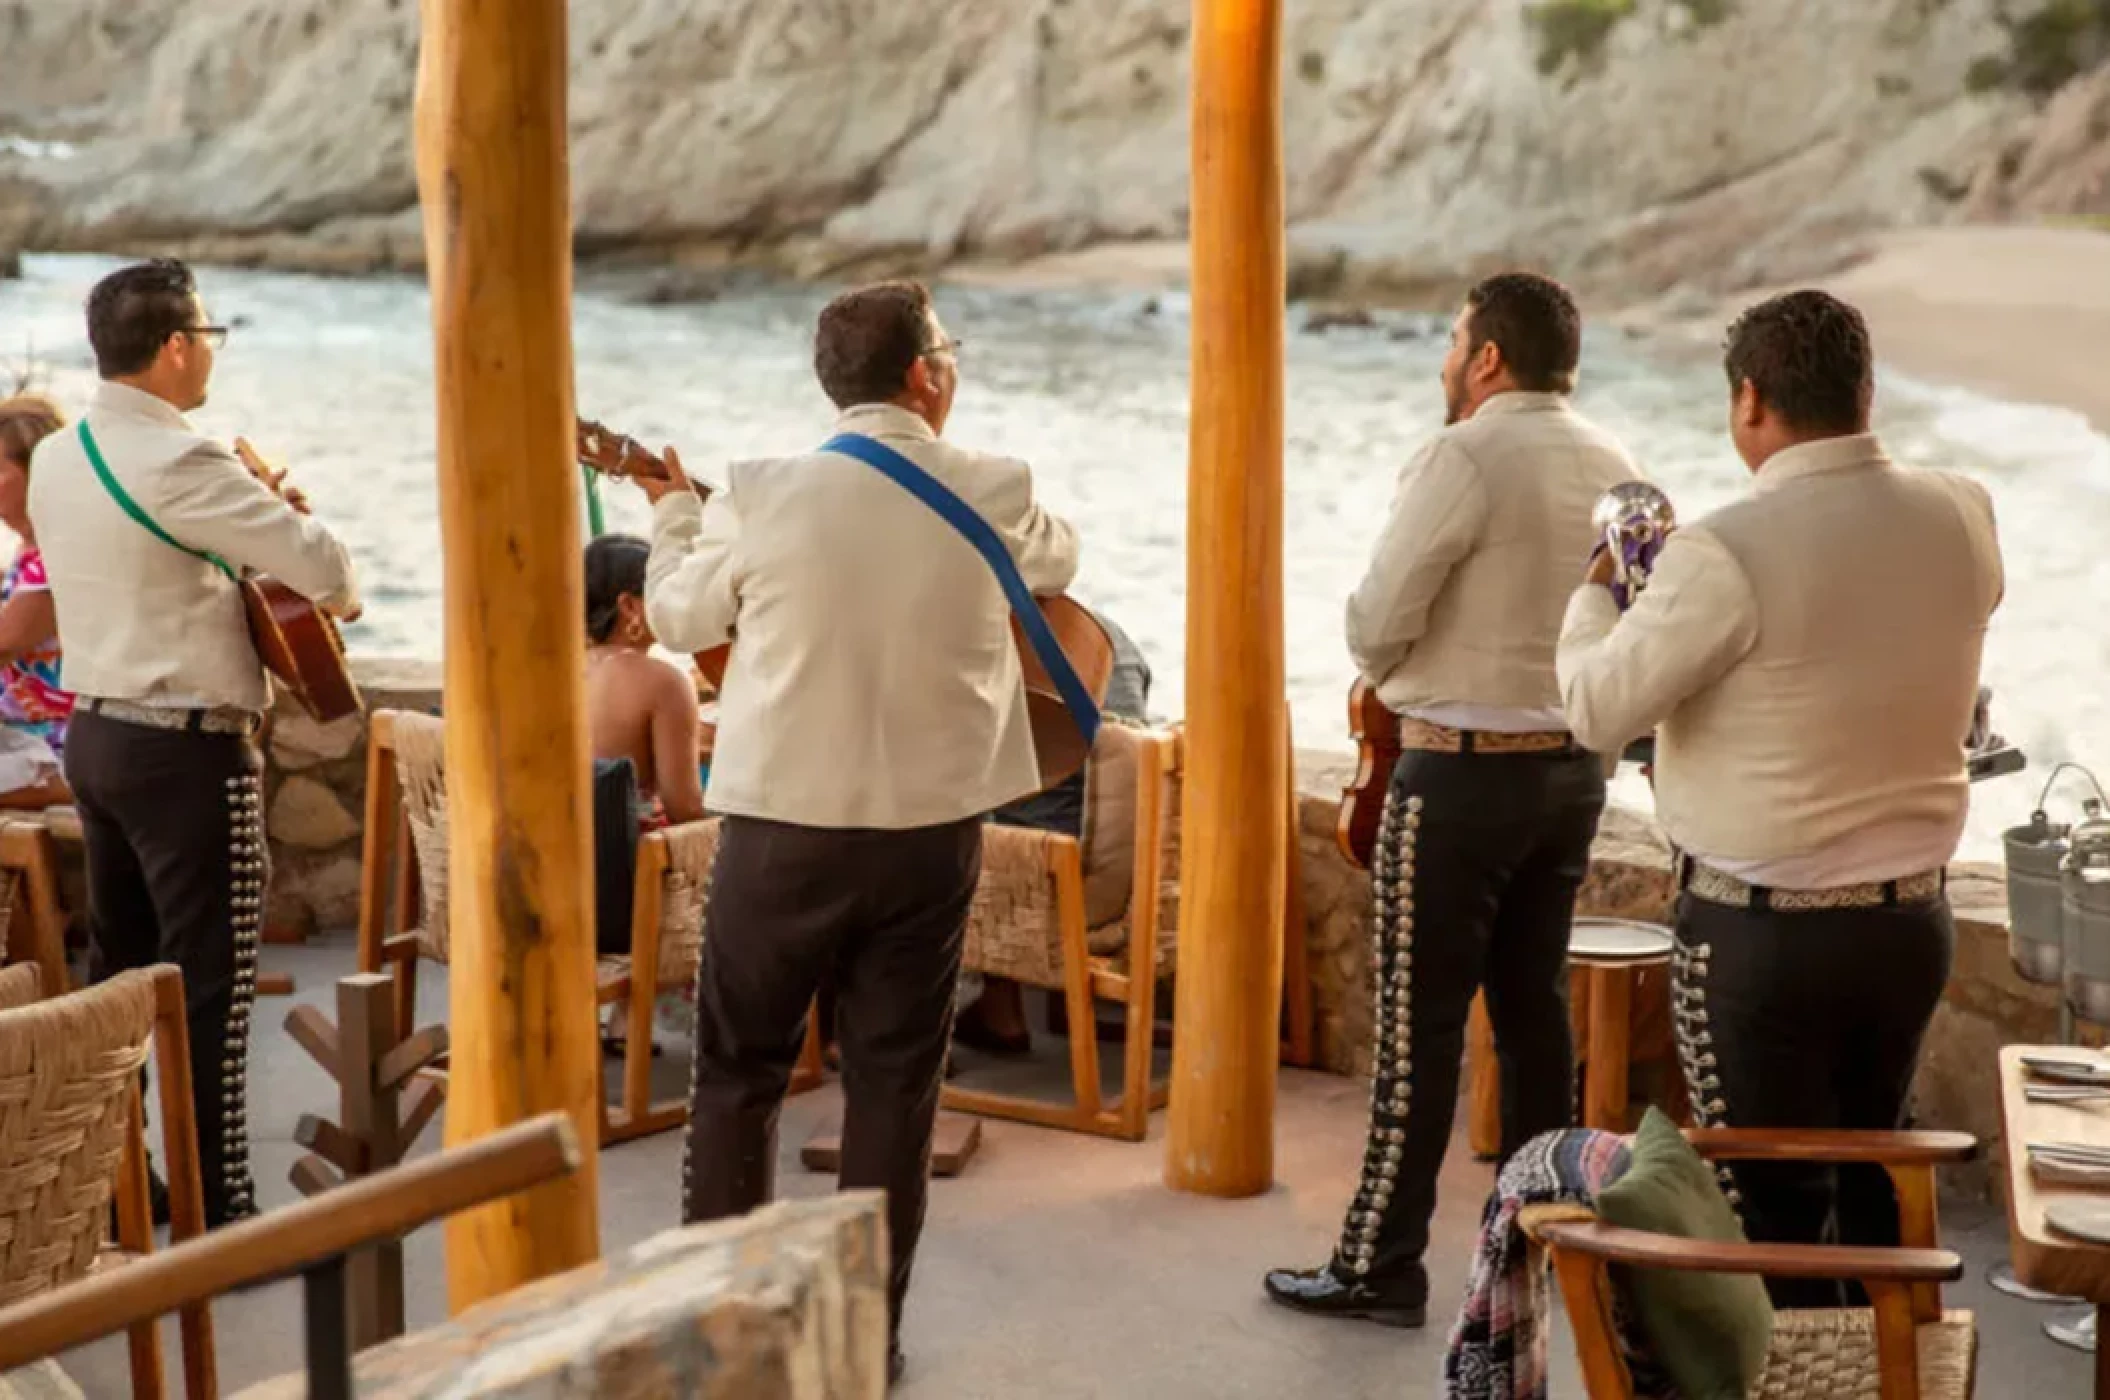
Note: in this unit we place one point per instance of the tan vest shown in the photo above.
(1529, 469)
(1873, 586)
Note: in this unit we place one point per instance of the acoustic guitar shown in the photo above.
(298, 642)
(1058, 745)
(1376, 732)
(299, 645)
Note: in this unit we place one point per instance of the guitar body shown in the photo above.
(1057, 742)
(300, 645)
(1376, 732)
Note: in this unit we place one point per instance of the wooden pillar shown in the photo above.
(1220, 1139)
(496, 199)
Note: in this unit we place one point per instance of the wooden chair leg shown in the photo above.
(1919, 1227)
(135, 1235)
(1484, 1076)
(179, 1140)
(1897, 1340)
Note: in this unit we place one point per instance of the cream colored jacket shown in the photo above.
(140, 620)
(1808, 658)
(873, 680)
(1462, 602)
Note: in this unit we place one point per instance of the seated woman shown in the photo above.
(644, 724)
(638, 706)
(33, 709)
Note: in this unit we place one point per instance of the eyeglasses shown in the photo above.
(215, 336)
(946, 347)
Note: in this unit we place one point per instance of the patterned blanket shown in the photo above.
(1498, 1345)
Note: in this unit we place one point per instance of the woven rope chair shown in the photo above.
(1905, 1347)
(1068, 916)
(72, 1143)
(406, 811)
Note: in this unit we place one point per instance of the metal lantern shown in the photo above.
(2084, 878)
(2035, 922)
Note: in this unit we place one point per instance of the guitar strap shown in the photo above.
(978, 532)
(132, 507)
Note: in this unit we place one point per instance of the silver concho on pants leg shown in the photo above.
(1696, 1058)
(1392, 1051)
(250, 868)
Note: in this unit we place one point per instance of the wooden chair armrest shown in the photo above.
(1652, 1251)
(1903, 1149)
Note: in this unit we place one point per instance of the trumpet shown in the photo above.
(1632, 521)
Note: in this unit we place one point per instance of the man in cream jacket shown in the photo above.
(161, 753)
(1808, 659)
(1492, 807)
(873, 713)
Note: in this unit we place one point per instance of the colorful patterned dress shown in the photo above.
(30, 697)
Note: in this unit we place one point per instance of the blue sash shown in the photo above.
(962, 517)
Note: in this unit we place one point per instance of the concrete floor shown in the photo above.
(1058, 1265)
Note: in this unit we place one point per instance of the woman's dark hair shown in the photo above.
(615, 565)
(133, 312)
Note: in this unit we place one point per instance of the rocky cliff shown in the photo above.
(1637, 144)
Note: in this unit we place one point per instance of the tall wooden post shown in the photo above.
(1234, 864)
(496, 197)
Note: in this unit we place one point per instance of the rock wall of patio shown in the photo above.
(315, 795)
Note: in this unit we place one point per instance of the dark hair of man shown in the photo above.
(615, 565)
(868, 340)
(133, 312)
(1808, 356)
(1533, 321)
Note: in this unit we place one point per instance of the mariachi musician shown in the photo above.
(143, 523)
(1493, 805)
(1808, 660)
(872, 714)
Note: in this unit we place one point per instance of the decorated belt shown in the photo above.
(1705, 882)
(224, 719)
(1441, 738)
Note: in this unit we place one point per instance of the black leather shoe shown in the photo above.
(1323, 1292)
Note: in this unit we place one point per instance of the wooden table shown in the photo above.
(2043, 1257)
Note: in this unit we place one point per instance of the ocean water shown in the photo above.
(332, 377)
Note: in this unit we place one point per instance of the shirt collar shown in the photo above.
(883, 418)
(123, 398)
(1522, 401)
(1819, 458)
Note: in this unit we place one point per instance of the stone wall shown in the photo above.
(316, 794)
(315, 798)
(787, 1303)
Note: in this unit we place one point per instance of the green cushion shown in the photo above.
(1709, 1331)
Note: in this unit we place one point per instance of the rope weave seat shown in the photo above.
(69, 1069)
(421, 769)
(20, 985)
(1832, 1353)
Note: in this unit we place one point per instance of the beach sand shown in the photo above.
(2017, 313)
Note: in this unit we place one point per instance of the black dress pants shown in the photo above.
(1475, 874)
(882, 913)
(1807, 1019)
(177, 866)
